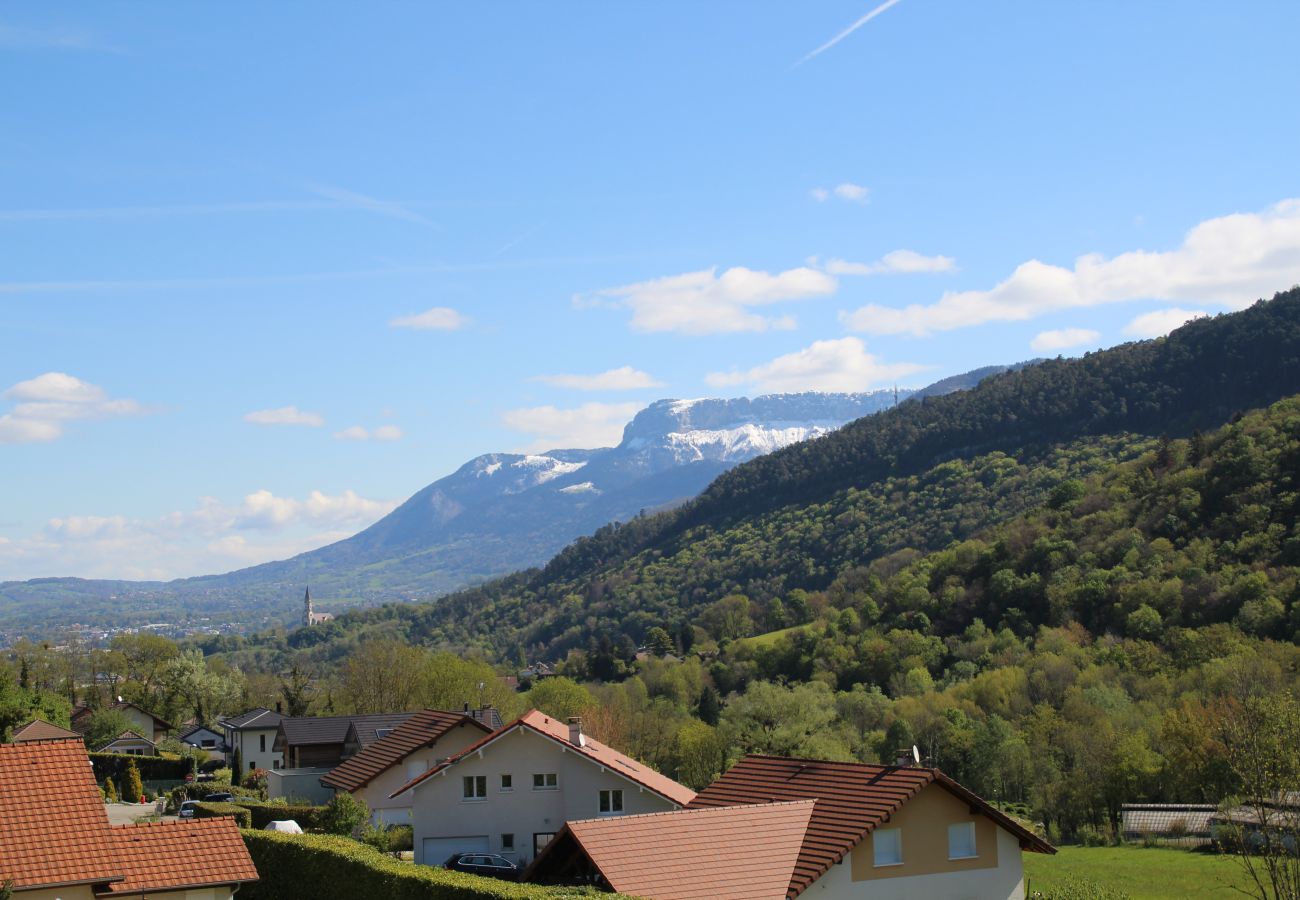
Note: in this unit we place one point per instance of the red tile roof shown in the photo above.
(53, 827)
(420, 730)
(729, 853)
(852, 800)
(41, 730)
(176, 855)
(593, 750)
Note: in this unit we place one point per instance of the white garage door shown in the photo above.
(438, 850)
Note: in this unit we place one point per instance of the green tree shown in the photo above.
(699, 755)
(560, 697)
(132, 784)
(785, 721)
(105, 725)
(659, 642)
(344, 814)
(110, 790)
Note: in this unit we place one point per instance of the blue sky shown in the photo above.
(266, 270)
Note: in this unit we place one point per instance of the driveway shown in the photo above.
(127, 813)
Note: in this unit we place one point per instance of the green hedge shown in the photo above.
(215, 810)
(196, 790)
(294, 866)
(152, 768)
(265, 813)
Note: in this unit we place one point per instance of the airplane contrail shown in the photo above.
(847, 31)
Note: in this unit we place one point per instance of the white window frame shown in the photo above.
(896, 838)
(964, 828)
(507, 782)
(605, 805)
(469, 788)
(507, 846)
(550, 781)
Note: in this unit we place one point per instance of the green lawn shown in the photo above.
(1140, 872)
(768, 639)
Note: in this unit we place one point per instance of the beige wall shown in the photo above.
(83, 892)
(250, 749)
(142, 723)
(80, 892)
(398, 811)
(439, 810)
(1004, 882)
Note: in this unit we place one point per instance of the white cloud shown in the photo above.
(45, 402)
(900, 262)
(624, 378)
(853, 193)
(587, 426)
(705, 302)
(863, 20)
(357, 433)
(212, 537)
(440, 318)
(285, 415)
(1232, 260)
(1161, 322)
(1063, 339)
(836, 365)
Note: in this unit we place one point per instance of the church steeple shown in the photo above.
(307, 616)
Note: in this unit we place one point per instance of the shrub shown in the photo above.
(195, 790)
(321, 865)
(344, 814)
(255, 780)
(151, 768)
(110, 790)
(307, 817)
(132, 784)
(241, 816)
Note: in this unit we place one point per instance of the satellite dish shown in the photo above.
(916, 755)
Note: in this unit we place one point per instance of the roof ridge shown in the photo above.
(699, 810)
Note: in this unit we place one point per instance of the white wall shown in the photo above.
(1003, 882)
(441, 811)
(398, 811)
(250, 748)
(298, 784)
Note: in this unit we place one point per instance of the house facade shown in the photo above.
(56, 842)
(253, 735)
(203, 738)
(130, 743)
(374, 772)
(312, 746)
(143, 722)
(511, 792)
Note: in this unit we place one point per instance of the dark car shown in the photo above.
(219, 798)
(483, 864)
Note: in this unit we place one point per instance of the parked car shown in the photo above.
(222, 797)
(489, 864)
(187, 809)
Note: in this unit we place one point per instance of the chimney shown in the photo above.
(467, 707)
(279, 707)
(576, 737)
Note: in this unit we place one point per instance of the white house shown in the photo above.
(253, 735)
(785, 828)
(409, 750)
(130, 743)
(203, 738)
(512, 791)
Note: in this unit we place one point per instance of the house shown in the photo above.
(142, 721)
(203, 738)
(782, 828)
(514, 789)
(252, 734)
(40, 730)
(58, 845)
(375, 771)
(130, 743)
(314, 745)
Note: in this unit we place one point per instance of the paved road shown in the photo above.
(126, 813)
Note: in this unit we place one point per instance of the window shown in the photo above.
(540, 840)
(507, 783)
(611, 802)
(275, 764)
(252, 764)
(261, 739)
(545, 781)
(507, 842)
(475, 787)
(208, 743)
(961, 841)
(887, 846)
(383, 732)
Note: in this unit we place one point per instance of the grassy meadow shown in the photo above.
(1143, 873)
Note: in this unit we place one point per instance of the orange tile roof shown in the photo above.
(53, 826)
(41, 730)
(729, 853)
(852, 799)
(594, 750)
(420, 730)
(176, 855)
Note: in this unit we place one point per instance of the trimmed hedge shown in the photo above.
(265, 813)
(152, 768)
(294, 866)
(196, 790)
(215, 810)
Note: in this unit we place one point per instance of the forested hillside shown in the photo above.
(915, 477)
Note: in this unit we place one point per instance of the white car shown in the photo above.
(187, 809)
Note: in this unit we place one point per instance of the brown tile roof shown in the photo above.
(852, 799)
(301, 731)
(593, 750)
(421, 730)
(176, 855)
(41, 730)
(729, 853)
(53, 827)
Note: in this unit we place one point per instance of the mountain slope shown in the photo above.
(731, 536)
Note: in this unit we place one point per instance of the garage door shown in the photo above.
(437, 850)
